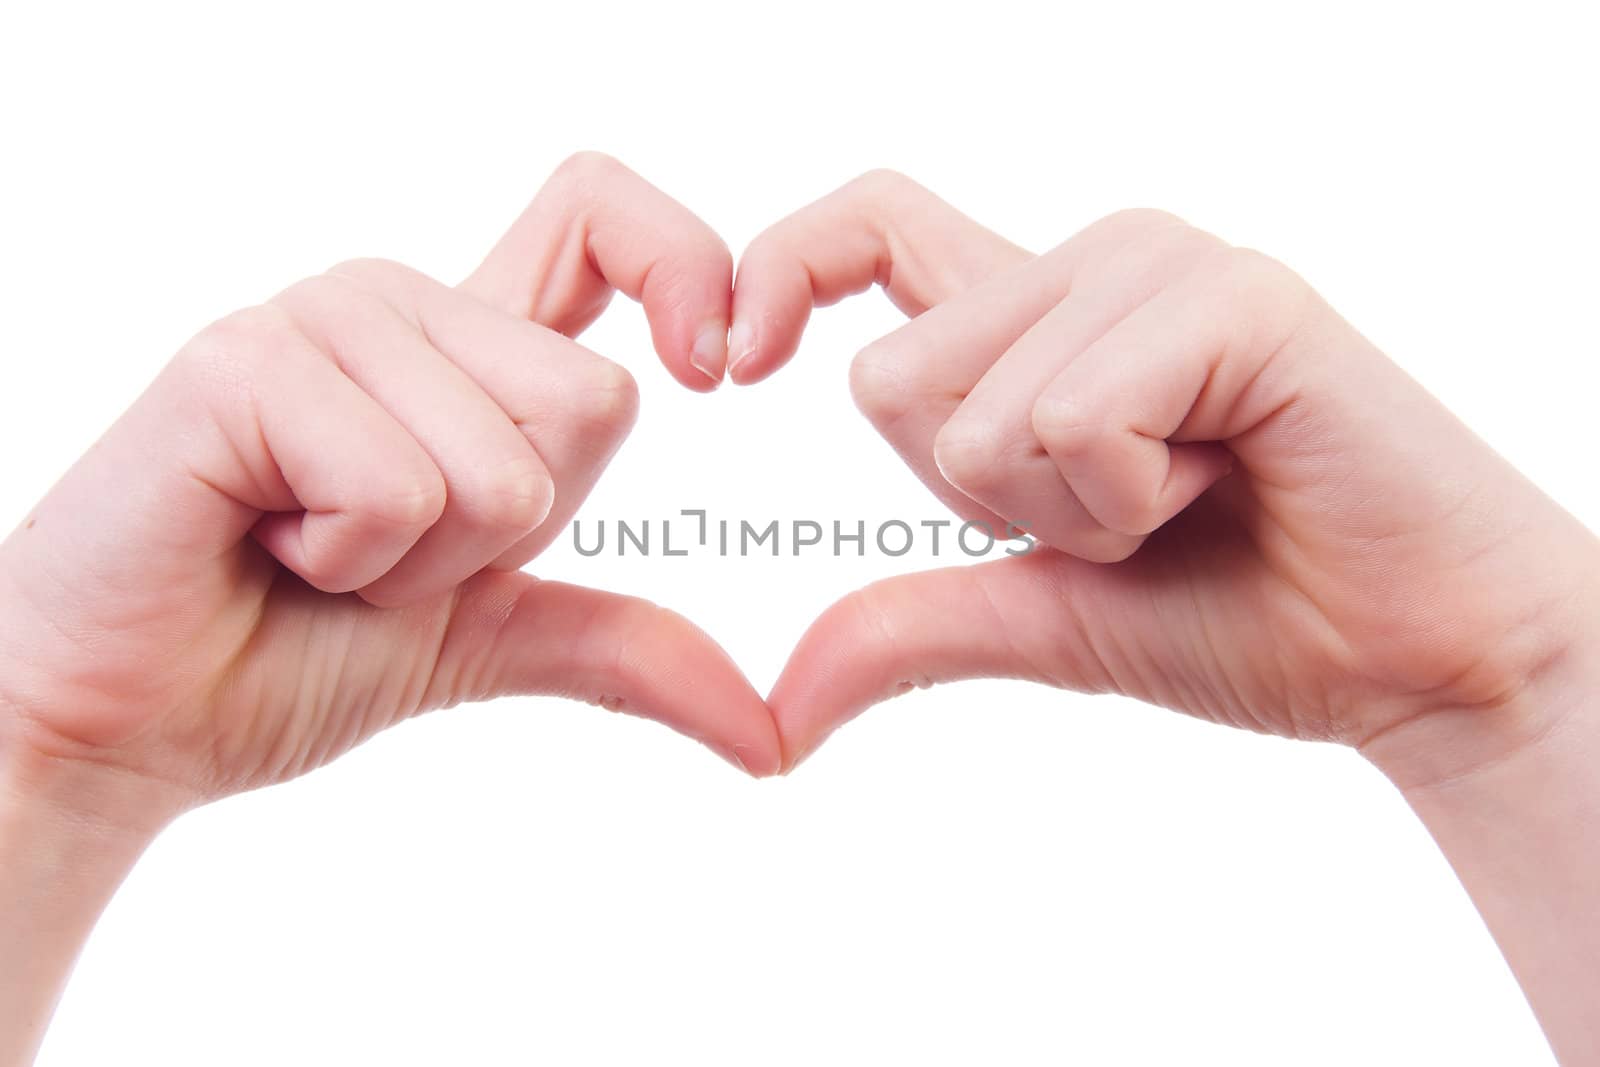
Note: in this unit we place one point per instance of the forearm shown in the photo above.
(68, 836)
(1523, 834)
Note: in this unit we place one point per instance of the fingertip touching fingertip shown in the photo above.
(757, 761)
(708, 353)
(741, 346)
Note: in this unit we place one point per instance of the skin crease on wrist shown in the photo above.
(1519, 827)
(70, 831)
(1248, 514)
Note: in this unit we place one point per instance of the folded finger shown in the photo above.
(574, 407)
(597, 227)
(497, 487)
(910, 382)
(1145, 419)
(988, 449)
(881, 228)
(336, 489)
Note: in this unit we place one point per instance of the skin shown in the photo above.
(1251, 515)
(309, 529)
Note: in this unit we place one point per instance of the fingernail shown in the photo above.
(710, 351)
(741, 342)
(738, 757)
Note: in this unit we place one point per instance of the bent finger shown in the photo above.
(1143, 421)
(336, 489)
(988, 448)
(881, 228)
(910, 382)
(498, 488)
(574, 406)
(596, 227)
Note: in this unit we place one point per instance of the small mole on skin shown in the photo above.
(31, 524)
(610, 703)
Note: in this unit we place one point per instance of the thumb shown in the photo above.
(510, 633)
(1037, 617)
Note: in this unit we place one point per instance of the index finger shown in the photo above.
(882, 227)
(597, 227)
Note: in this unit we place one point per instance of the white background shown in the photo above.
(984, 873)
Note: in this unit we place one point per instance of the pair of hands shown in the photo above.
(309, 527)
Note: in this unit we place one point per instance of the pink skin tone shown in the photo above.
(309, 528)
(1360, 568)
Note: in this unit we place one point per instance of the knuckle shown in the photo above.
(1132, 249)
(1259, 277)
(883, 185)
(1063, 426)
(610, 399)
(242, 339)
(323, 295)
(882, 179)
(969, 453)
(411, 502)
(371, 270)
(698, 254)
(1144, 260)
(247, 329)
(514, 497)
(584, 167)
(1140, 220)
(359, 265)
(322, 568)
(576, 188)
(878, 383)
(381, 281)
(1268, 297)
(338, 308)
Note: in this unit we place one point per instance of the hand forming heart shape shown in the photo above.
(373, 431)
(309, 526)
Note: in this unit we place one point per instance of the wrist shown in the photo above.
(49, 777)
(1511, 794)
(1543, 694)
(64, 798)
(51, 780)
(69, 834)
